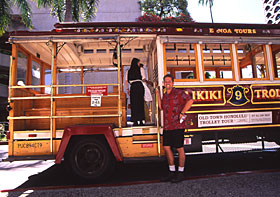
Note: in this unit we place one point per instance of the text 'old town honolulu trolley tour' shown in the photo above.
(67, 100)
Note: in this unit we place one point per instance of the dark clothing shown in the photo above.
(136, 92)
(172, 105)
(173, 138)
(137, 101)
(134, 73)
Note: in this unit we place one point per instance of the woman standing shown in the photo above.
(136, 92)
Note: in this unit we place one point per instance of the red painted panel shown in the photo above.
(105, 130)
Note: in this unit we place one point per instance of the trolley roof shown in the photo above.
(93, 44)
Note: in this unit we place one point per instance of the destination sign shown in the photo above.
(235, 95)
(231, 31)
(166, 28)
(271, 93)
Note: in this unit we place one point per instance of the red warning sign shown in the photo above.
(147, 145)
(100, 90)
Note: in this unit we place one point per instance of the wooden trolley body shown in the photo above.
(231, 71)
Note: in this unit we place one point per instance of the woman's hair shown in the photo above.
(134, 62)
(134, 71)
(168, 75)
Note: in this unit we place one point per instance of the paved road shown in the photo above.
(16, 173)
(255, 185)
(41, 178)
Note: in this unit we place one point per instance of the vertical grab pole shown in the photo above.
(53, 92)
(119, 80)
(82, 80)
(51, 115)
(10, 79)
(159, 75)
(157, 117)
(12, 82)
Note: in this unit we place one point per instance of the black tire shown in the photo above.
(91, 158)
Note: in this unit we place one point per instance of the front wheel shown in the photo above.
(91, 158)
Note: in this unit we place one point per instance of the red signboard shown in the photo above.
(101, 90)
(147, 145)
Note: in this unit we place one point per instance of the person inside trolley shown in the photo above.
(136, 92)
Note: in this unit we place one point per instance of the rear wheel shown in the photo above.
(91, 158)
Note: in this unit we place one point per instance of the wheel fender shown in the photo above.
(106, 130)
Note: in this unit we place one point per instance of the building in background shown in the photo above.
(107, 11)
(272, 11)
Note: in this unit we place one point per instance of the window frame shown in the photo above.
(232, 64)
(272, 61)
(265, 62)
(166, 70)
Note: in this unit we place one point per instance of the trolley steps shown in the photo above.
(140, 134)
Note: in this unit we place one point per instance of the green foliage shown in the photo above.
(206, 2)
(89, 9)
(6, 13)
(148, 17)
(5, 16)
(25, 12)
(44, 3)
(164, 8)
(207, 75)
(57, 9)
(81, 9)
(3, 138)
(2, 132)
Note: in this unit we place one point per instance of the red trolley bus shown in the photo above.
(67, 96)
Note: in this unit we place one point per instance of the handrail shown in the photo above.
(158, 129)
(46, 117)
(48, 97)
(64, 85)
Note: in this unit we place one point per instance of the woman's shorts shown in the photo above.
(173, 138)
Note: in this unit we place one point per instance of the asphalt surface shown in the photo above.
(263, 184)
(246, 174)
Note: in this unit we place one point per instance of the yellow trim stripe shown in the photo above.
(232, 110)
(36, 131)
(234, 127)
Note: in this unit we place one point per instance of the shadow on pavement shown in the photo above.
(196, 165)
(57, 177)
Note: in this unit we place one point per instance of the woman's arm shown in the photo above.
(142, 71)
(148, 82)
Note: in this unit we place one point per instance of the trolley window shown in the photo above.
(21, 69)
(35, 75)
(252, 61)
(180, 61)
(276, 60)
(217, 61)
(47, 80)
